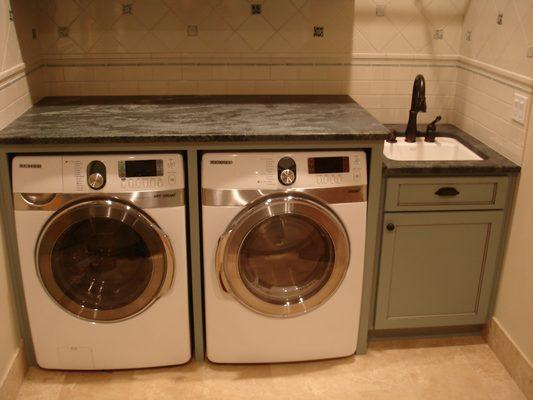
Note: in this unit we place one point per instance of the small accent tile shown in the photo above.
(256, 9)
(192, 30)
(318, 31)
(127, 9)
(63, 31)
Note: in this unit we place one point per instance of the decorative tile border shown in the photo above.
(510, 356)
(503, 77)
(498, 78)
(10, 387)
(18, 76)
(18, 92)
(522, 82)
(508, 79)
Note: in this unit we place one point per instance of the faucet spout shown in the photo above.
(418, 104)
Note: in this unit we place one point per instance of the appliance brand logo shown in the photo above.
(221, 162)
(30, 165)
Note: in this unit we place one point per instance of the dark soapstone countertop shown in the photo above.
(493, 163)
(128, 119)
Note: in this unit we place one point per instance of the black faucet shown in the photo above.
(418, 103)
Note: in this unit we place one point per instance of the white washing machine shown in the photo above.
(102, 243)
(284, 239)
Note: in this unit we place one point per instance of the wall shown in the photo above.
(20, 74)
(494, 66)
(150, 52)
(284, 28)
(503, 46)
(514, 307)
(483, 107)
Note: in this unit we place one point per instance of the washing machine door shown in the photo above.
(104, 260)
(283, 255)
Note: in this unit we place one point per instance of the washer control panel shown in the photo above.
(147, 174)
(124, 173)
(97, 173)
(279, 170)
(332, 170)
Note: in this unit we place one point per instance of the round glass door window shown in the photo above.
(103, 260)
(284, 255)
(286, 259)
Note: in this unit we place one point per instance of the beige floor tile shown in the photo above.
(412, 369)
(41, 384)
(97, 385)
(181, 382)
(237, 381)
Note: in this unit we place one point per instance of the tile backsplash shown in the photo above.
(506, 45)
(483, 108)
(223, 47)
(231, 27)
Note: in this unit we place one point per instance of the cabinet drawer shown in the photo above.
(453, 193)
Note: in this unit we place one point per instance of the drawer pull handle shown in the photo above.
(390, 227)
(447, 191)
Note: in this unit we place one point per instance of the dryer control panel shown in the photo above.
(278, 170)
(98, 173)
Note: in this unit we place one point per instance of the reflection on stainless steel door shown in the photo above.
(286, 259)
(104, 260)
(101, 263)
(283, 255)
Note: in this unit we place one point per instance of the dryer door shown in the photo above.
(104, 260)
(283, 255)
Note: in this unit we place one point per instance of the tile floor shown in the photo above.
(451, 369)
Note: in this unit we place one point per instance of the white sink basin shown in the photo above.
(444, 149)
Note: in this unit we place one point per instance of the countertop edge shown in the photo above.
(22, 141)
(199, 119)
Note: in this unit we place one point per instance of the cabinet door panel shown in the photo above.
(437, 269)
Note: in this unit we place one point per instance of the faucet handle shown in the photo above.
(432, 123)
(431, 130)
(392, 136)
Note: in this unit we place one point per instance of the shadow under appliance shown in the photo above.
(103, 254)
(283, 245)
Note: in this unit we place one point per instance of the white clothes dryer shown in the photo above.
(283, 247)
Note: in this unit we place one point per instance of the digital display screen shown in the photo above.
(328, 165)
(140, 168)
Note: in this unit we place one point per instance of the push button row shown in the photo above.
(149, 183)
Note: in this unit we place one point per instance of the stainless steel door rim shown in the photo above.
(127, 219)
(280, 214)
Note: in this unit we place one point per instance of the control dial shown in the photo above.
(96, 175)
(286, 171)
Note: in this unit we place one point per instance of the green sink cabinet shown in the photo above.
(439, 256)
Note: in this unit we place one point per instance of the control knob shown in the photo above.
(286, 171)
(287, 177)
(96, 175)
